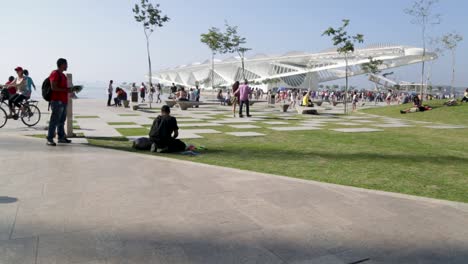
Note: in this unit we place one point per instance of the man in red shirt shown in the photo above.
(58, 104)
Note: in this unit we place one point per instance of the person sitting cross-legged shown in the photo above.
(164, 133)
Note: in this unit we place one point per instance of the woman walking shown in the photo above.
(235, 98)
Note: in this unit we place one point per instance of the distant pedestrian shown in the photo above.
(197, 91)
(465, 96)
(58, 104)
(158, 93)
(110, 91)
(142, 92)
(235, 97)
(244, 93)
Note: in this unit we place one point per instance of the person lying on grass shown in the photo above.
(417, 107)
(164, 133)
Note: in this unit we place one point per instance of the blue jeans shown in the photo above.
(57, 120)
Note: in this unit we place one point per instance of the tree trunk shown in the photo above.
(243, 67)
(150, 74)
(212, 70)
(346, 87)
(423, 60)
(452, 83)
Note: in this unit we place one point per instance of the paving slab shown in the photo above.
(125, 126)
(244, 126)
(235, 121)
(357, 130)
(211, 124)
(275, 123)
(348, 124)
(246, 134)
(297, 128)
(159, 210)
(200, 131)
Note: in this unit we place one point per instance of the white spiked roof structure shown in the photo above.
(293, 69)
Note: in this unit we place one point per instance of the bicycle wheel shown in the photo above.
(4, 105)
(3, 117)
(31, 115)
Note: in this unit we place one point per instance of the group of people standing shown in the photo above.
(121, 94)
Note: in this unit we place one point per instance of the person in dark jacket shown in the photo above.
(164, 133)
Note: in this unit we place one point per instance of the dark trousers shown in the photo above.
(173, 144)
(16, 100)
(465, 99)
(109, 100)
(247, 107)
(57, 120)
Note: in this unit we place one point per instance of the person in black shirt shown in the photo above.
(164, 133)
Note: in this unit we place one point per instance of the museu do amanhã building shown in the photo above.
(293, 69)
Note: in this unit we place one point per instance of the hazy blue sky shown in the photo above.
(102, 41)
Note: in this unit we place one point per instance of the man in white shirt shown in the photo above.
(110, 90)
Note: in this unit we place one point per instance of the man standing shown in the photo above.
(110, 90)
(244, 92)
(58, 104)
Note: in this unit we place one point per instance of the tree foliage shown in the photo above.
(214, 40)
(150, 16)
(341, 39)
(372, 66)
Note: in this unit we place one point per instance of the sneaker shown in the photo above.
(249, 116)
(162, 150)
(241, 116)
(51, 143)
(64, 141)
(154, 148)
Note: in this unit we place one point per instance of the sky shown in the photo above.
(102, 41)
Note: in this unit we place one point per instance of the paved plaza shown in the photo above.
(87, 205)
(92, 119)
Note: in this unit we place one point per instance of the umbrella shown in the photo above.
(282, 89)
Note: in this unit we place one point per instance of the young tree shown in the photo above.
(372, 67)
(151, 17)
(423, 15)
(450, 42)
(233, 43)
(214, 39)
(345, 46)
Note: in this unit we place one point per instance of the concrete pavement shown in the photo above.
(80, 204)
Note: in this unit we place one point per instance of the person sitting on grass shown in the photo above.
(417, 107)
(164, 133)
(465, 97)
(306, 100)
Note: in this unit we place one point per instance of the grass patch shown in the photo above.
(130, 132)
(77, 127)
(121, 123)
(410, 160)
(454, 115)
(85, 117)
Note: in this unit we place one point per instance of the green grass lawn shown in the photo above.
(413, 160)
(121, 123)
(454, 115)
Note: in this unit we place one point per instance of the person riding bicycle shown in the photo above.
(23, 92)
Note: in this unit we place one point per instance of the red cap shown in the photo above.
(18, 68)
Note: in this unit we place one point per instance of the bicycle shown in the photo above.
(3, 117)
(28, 112)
